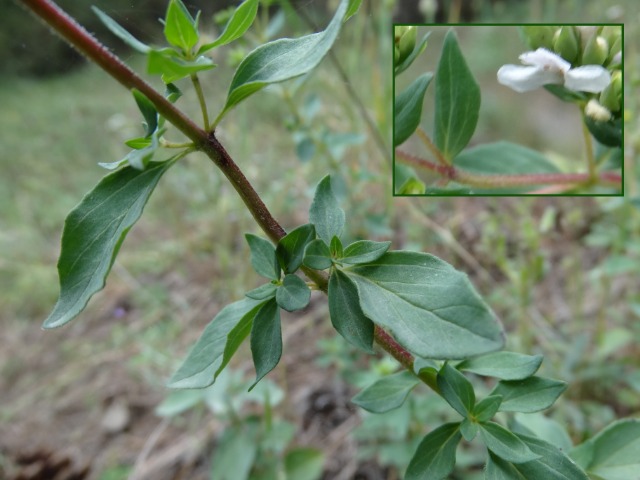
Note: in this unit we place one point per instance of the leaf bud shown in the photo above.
(405, 41)
(611, 33)
(538, 36)
(566, 43)
(596, 51)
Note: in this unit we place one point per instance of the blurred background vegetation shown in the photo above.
(560, 272)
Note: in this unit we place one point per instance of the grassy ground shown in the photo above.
(561, 273)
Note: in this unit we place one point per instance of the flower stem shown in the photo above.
(591, 161)
(203, 104)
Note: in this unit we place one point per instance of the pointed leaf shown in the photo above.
(263, 292)
(204, 359)
(148, 111)
(266, 340)
(364, 251)
(457, 100)
(173, 68)
(427, 305)
(505, 444)
(552, 464)
(419, 48)
(614, 453)
(345, 312)
(435, 457)
(179, 26)
(325, 213)
(282, 60)
(336, 247)
(93, 233)
(387, 393)
(408, 109)
(120, 31)
(239, 23)
(236, 336)
(503, 365)
(468, 429)
(486, 408)
(317, 255)
(456, 390)
(263, 257)
(293, 294)
(529, 395)
(172, 93)
(290, 249)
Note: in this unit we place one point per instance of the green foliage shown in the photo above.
(293, 294)
(325, 213)
(456, 390)
(263, 257)
(504, 444)
(363, 251)
(290, 249)
(419, 48)
(529, 395)
(503, 365)
(408, 109)
(266, 339)
(180, 28)
(436, 455)
(238, 24)
(387, 393)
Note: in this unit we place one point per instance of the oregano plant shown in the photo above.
(580, 65)
(416, 307)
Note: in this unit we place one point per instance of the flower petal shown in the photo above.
(589, 78)
(546, 59)
(523, 79)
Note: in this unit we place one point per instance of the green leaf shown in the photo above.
(364, 251)
(235, 454)
(406, 63)
(180, 29)
(93, 233)
(120, 32)
(138, 143)
(336, 247)
(236, 336)
(353, 7)
(469, 429)
(345, 312)
(293, 294)
(325, 213)
(266, 340)
(544, 428)
(552, 464)
(304, 464)
(505, 444)
(388, 393)
(204, 359)
(503, 365)
(239, 23)
(457, 100)
(148, 111)
(172, 93)
(503, 158)
(173, 68)
(290, 249)
(614, 453)
(456, 390)
(317, 255)
(408, 109)
(486, 408)
(263, 292)
(529, 395)
(179, 401)
(435, 457)
(282, 60)
(263, 257)
(608, 133)
(429, 307)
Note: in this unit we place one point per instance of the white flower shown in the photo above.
(543, 67)
(597, 111)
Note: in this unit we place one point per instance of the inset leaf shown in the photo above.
(317, 255)
(290, 249)
(180, 29)
(418, 49)
(486, 408)
(504, 158)
(293, 294)
(435, 457)
(503, 365)
(529, 395)
(325, 213)
(429, 307)
(612, 454)
(282, 60)
(408, 109)
(364, 251)
(93, 233)
(204, 359)
(263, 257)
(505, 444)
(148, 111)
(120, 31)
(456, 390)
(266, 340)
(345, 312)
(239, 23)
(387, 393)
(457, 100)
(173, 68)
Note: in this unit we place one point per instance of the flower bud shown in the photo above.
(615, 49)
(405, 41)
(566, 43)
(538, 36)
(596, 111)
(611, 97)
(596, 51)
(611, 33)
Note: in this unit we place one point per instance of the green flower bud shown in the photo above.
(611, 33)
(615, 49)
(611, 97)
(538, 36)
(405, 40)
(596, 51)
(566, 43)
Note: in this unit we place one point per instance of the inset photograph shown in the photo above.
(508, 110)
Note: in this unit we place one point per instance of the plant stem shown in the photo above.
(203, 104)
(432, 148)
(588, 144)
